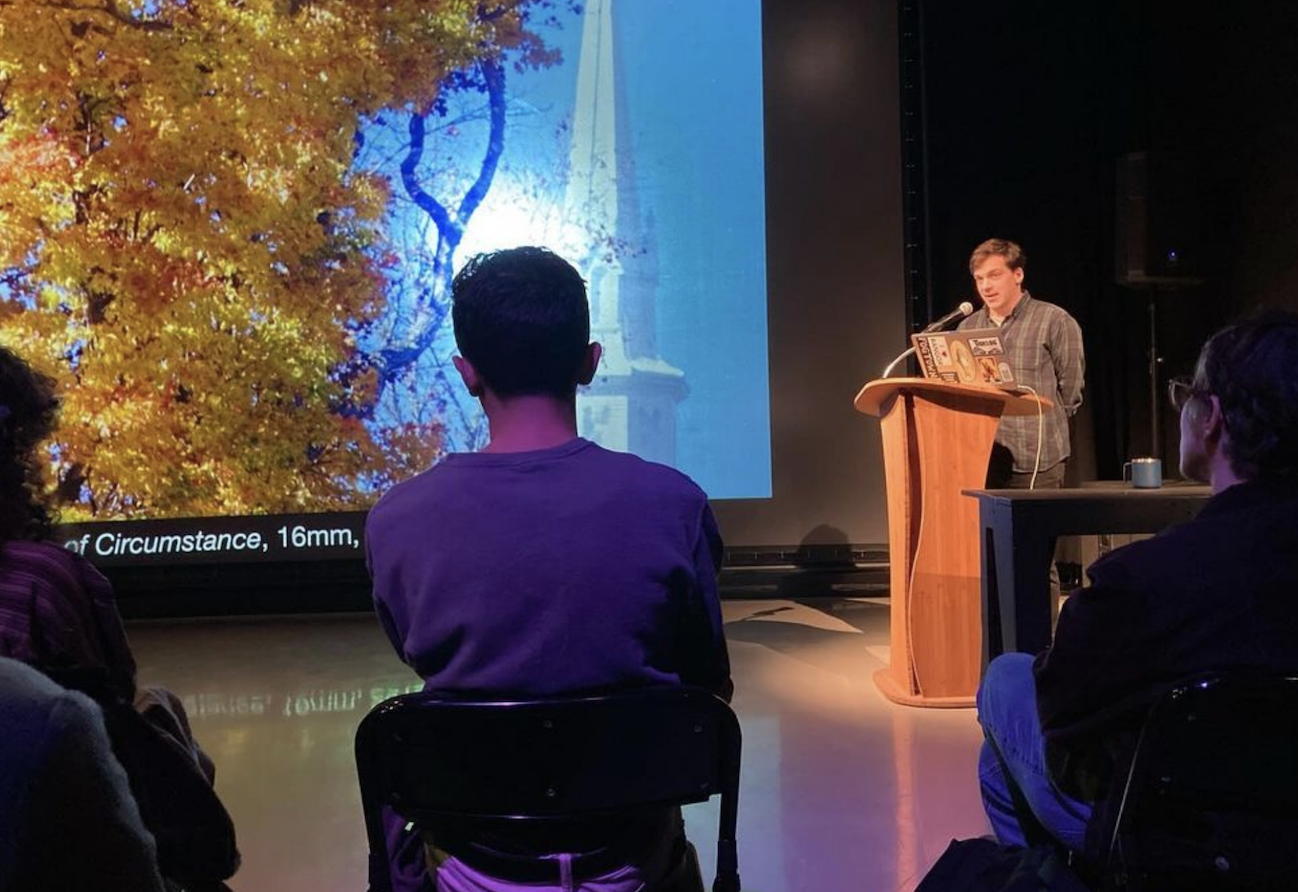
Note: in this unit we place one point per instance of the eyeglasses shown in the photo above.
(1180, 390)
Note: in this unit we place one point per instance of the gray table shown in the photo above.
(1018, 532)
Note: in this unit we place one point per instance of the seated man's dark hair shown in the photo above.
(522, 319)
(28, 408)
(1252, 369)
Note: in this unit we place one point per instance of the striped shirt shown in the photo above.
(1043, 345)
(58, 612)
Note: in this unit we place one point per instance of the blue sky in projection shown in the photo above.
(692, 210)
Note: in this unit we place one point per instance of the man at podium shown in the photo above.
(1043, 345)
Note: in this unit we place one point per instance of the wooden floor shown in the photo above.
(842, 791)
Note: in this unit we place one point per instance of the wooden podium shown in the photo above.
(937, 439)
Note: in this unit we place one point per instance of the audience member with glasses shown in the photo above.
(1213, 593)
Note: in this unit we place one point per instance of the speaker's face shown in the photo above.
(1000, 287)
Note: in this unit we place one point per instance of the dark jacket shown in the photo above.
(1216, 593)
(67, 818)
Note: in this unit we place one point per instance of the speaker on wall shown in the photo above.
(1158, 232)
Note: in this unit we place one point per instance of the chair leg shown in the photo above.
(727, 867)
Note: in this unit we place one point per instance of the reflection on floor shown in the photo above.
(842, 790)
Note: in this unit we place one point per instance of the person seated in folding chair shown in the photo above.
(67, 817)
(543, 565)
(59, 615)
(1215, 593)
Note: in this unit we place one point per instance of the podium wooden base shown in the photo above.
(936, 440)
(897, 693)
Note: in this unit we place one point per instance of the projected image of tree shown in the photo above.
(188, 246)
(229, 228)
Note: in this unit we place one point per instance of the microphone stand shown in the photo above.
(892, 365)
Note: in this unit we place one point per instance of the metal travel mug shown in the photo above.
(1144, 473)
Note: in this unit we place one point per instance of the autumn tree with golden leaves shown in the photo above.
(184, 246)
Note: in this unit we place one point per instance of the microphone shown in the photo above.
(958, 313)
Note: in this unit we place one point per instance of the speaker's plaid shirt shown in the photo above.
(1044, 347)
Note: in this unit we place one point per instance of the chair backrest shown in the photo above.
(1211, 798)
(434, 757)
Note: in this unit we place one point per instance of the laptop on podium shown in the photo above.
(969, 356)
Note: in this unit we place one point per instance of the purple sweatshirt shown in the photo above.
(563, 570)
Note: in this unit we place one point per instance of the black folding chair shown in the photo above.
(1211, 798)
(435, 758)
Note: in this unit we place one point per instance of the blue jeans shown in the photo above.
(1013, 761)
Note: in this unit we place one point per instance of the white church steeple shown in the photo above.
(631, 405)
